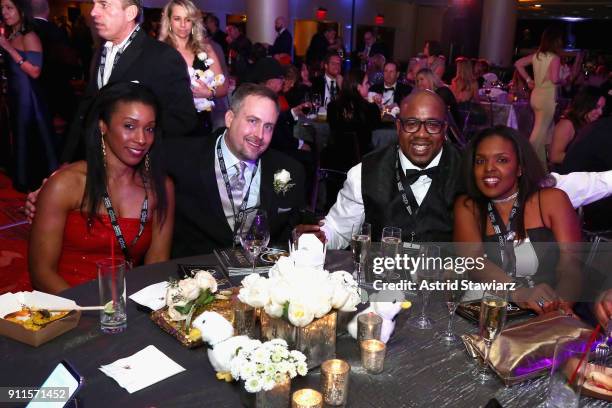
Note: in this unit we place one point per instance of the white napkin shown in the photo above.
(153, 296)
(12, 302)
(310, 252)
(142, 369)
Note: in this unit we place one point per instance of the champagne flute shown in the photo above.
(390, 242)
(429, 271)
(493, 308)
(361, 239)
(454, 293)
(255, 235)
(306, 108)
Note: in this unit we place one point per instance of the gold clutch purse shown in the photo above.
(525, 350)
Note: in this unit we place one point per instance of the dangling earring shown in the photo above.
(103, 150)
(147, 163)
(192, 31)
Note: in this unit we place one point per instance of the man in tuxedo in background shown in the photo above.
(370, 47)
(59, 61)
(421, 201)
(330, 83)
(211, 22)
(281, 49)
(219, 177)
(392, 92)
(129, 54)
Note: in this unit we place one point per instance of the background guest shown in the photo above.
(504, 199)
(239, 51)
(181, 27)
(434, 59)
(211, 23)
(545, 62)
(30, 120)
(371, 46)
(463, 85)
(586, 107)
(283, 43)
(330, 83)
(426, 79)
(391, 91)
(72, 227)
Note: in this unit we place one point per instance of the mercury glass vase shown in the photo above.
(277, 397)
(316, 340)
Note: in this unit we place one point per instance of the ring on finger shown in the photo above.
(541, 302)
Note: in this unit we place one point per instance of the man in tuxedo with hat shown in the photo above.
(411, 185)
(129, 54)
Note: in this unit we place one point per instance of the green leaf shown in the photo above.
(286, 311)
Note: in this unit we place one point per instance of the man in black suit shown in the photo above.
(421, 201)
(371, 46)
(208, 203)
(283, 42)
(59, 61)
(129, 54)
(391, 91)
(212, 27)
(239, 50)
(328, 86)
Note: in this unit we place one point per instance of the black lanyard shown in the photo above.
(505, 236)
(407, 195)
(238, 218)
(117, 230)
(117, 55)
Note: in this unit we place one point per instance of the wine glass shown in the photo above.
(493, 309)
(453, 292)
(428, 271)
(389, 243)
(306, 108)
(316, 102)
(255, 235)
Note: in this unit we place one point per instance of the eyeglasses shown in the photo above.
(413, 125)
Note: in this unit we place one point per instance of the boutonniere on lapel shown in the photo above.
(282, 182)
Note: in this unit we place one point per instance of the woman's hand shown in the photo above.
(201, 90)
(541, 298)
(4, 43)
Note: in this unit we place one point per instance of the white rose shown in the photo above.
(202, 56)
(280, 292)
(173, 295)
(255, 291)
(299, 314)
(205, 281)
(274, 309)
(190, 288)
(282, 176)
(320, 304)
(351, 303)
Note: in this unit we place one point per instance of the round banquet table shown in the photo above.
(419, 371)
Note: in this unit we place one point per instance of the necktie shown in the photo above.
(237, 182)
(413, 175)
(332, 90)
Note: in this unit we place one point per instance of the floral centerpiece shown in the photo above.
(262, 366)
(207, 76)
(299, 305)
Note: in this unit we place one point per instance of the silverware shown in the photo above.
(602, 351)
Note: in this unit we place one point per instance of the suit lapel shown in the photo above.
(266, 190)
(208, 178)
(131, 53)
(436, 180)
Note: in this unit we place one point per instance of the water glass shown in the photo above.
(111, 284)
(389, 243)
(568, 353)
(255, 235)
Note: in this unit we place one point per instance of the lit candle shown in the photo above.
(335, 381)
(369, 326)
(307, 398)
(373, 355)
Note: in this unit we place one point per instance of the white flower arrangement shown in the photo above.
(184, 296)
(263, 365)
(282, 182)
(209, 78)
(300, 294)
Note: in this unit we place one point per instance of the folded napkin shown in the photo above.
(525, 350)
(153, 296)
(142, 369)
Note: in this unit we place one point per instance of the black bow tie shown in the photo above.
(389, 89)
(413, 175)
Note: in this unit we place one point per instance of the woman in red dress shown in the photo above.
(119, 197)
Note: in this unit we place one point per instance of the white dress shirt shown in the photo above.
(388, 96)
(111, 52)
(230, 164)
(349, 210)
(584, 187)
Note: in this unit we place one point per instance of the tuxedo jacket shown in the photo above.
(154, 64)
(200, 224)
(318, 86)
(282, 44)
(384, 205)
(401, 91)
(376, 48)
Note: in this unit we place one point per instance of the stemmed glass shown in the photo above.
(390, 242)
(316, 102)
(493, 308)
(429, 271)
(255, 236)
(361, 239)
(454, 293)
